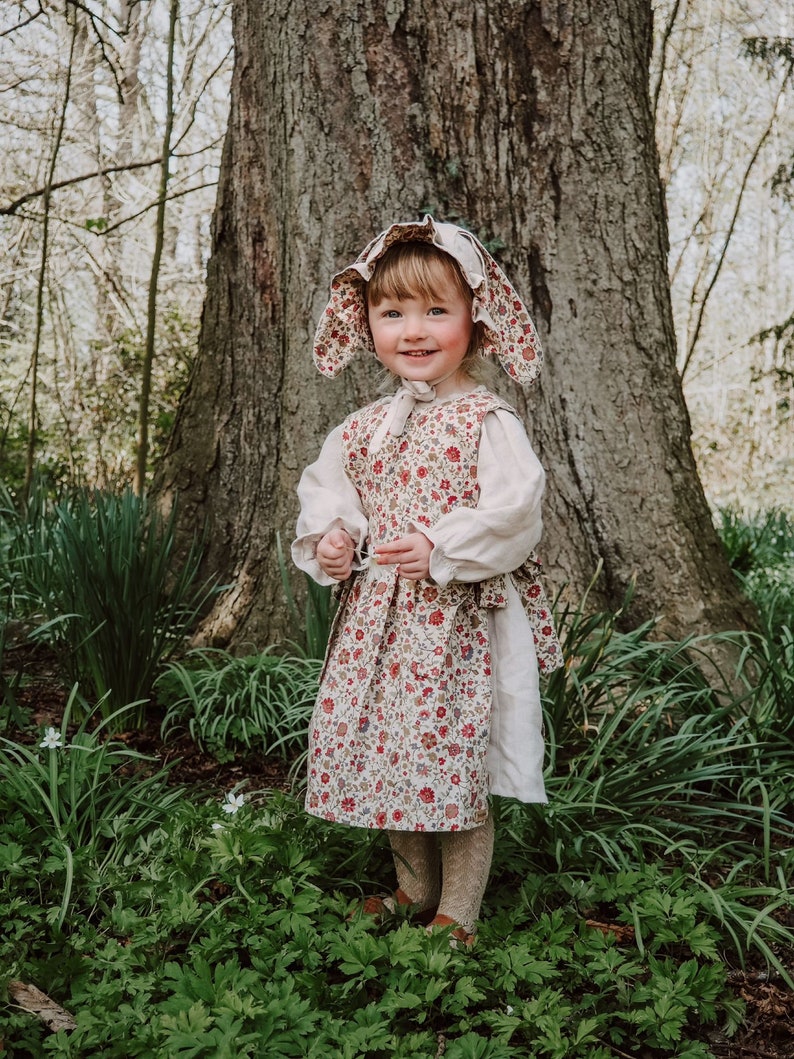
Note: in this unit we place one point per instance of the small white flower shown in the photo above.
(217, 827)
(509, 1009)
(233, 803)
(52, 739)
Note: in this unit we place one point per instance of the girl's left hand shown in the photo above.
(411, 554)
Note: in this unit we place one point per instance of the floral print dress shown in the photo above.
(401, 730)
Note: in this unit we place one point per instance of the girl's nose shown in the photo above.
(414, 327)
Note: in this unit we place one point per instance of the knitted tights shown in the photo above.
(458, 888)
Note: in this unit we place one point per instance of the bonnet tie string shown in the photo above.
(401, 406)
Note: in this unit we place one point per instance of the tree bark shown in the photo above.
(529, 122)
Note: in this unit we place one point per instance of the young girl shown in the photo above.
(425, 506)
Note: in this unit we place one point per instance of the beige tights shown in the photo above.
(458, 888)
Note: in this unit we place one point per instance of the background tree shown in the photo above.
(97, 209)
(533, 125)
(722, 77)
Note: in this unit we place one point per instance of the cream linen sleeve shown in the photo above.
(471, 544)
(328, 500)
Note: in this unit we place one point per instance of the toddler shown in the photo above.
(425, 508)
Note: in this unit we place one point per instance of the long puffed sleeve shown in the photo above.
(471, 544)
(328, 501)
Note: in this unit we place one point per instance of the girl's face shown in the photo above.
(424, 339)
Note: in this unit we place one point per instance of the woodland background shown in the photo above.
(88, 105)
(159, 880)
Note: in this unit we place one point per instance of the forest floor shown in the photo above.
(768, 1032)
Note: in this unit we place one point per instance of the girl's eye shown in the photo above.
(392, 314)
(437, 311)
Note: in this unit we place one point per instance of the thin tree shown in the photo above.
(142, 451)
(30, 454)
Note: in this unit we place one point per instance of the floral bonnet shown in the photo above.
(509, 334)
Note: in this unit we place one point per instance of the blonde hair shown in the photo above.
(415, 269)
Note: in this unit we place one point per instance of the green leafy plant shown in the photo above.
(760, 549)
(80, 802)
(99, 570)
(227, 704)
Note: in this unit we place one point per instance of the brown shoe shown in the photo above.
(456, 936)
(381, 907)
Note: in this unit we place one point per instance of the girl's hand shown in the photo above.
(411, 554)
(335, 553)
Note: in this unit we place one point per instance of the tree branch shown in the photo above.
(729, 234)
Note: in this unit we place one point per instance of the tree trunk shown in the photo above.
(530, 123)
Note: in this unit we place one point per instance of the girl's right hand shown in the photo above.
(335, 553)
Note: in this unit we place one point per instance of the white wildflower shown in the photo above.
(52, 739)
(233, 803)
(217, 827)
(509, 1009)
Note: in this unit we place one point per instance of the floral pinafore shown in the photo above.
(399, 735)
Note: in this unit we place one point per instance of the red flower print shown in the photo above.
(441, 712)
(348, 804)
(380, 819)
(452, 454)
(453, 749)
(443, 731)
(359, 634)
(422, 472)
(468, 730)
(429, 740)
(455, 778)
(377, 466)
(451, 811)
(405, 477)
(397, 816)
(444, 484)
(325, 778)
(427, 795)
(394, 669)
(328, 705)
(437, 617)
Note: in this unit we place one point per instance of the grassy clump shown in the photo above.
(232, 704)
(94, 575)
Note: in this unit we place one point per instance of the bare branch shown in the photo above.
(668, 29)
(19, 25)
(12, 207)
(732, 225)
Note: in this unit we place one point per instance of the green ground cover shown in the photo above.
(182, 922)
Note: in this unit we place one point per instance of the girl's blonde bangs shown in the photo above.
(408, 270)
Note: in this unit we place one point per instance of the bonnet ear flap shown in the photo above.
(510, 335)
(343, 330)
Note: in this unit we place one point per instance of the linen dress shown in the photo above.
(429, 697)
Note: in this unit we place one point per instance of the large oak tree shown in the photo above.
(529, 122)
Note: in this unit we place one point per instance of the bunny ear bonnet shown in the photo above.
(509, 334)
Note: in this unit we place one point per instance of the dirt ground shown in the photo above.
(769, 1029)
